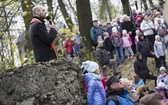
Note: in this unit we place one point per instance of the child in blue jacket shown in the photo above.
(96, 93)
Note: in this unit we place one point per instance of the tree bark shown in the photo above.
(27, 7)
(126, 8)
(73, 10)
(85, 22)
(11, 61)
(145, 5)
(50, 9)
(151, 3)
(65, 14)
(108, 9)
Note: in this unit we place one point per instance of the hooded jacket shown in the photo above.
(141, 68)
(41, 40)
(96, 93)
(144, 46)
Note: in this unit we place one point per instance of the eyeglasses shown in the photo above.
(145, 90)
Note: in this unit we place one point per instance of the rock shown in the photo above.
(57, 82)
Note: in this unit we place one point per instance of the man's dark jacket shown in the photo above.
(102, 56)
(127, 25)
(108, 44)
(41, 40)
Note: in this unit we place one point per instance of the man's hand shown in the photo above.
(52, 26)
(152, 52)
(104, 66)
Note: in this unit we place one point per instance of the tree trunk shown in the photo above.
(109, 10)
(73, 10)
(145, 4)
(11, 61)
(27, 7)
(50, 9)
(151, 3)
(85, 22)
(126, 8)
(65, 14)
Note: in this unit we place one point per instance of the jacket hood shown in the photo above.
(138, 54)
(141, 34)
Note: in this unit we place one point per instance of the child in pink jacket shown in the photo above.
(137, 35)
(126, 43)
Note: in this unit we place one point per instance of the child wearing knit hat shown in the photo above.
(163, 76)
(137, 35)
(160, 89)
(160, 50)
(96, 92)
(117, 43)
(127, 43)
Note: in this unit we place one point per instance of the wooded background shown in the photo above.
(15, 16)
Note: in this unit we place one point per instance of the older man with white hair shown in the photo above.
(128, 25)
(41, 39)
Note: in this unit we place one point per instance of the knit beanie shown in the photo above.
(157, 36)
(114, 29)
(124, 32)
(89, 66)
(162, 68)
(84, 66)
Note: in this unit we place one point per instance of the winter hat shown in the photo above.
(84, 66)
(157, 36)
(89, 66)
(124, 32)
(115, 24)
(114, 29)
(162, 68)
(140, 89)
(158, 19)
(111, 80)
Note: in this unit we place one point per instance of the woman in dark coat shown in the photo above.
(141, 69)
